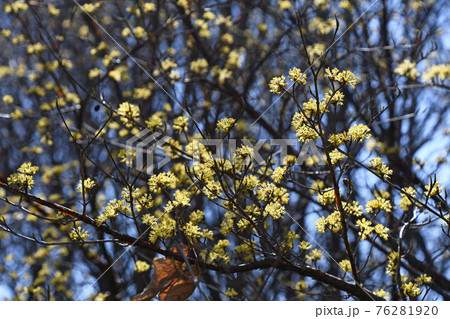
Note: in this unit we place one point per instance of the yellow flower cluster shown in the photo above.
(366, 228)
(212, 189)
(301, 286)
(306, 133)
(345, 265)
(383, 294)
(314, 256)
(227, 224)
(199, 66)
(278, 174)
(433, 189)
(269, 192)
(245, 250)
(277, 84)
(162, 180)
(405, 202)
(327, 197)
(218, 252)
(244, 152)
(408, 69)
(193, 231)
(181, 199)
(154, 122)
(391, 268)
(358, 133)
(221, 74)
(333, 222)
(88, 185)
(78, 234)
(336, 156)
(225, 124)
(25, 176)
(353, 209)
(423, 280)
(180, 124)
(297, 76)
(230, 293)
(382, 231)
(380, 168)
(378, 203)
(141, 266)
(335, 98)
(112, 209)
(203, 28)
(165, 228)
(129, 113)
(347, 78)
(411, 289)
(305, 245)
(16, 7)
(441, 71)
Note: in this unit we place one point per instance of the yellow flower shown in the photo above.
(326, 198)
(225, 124)
(244, 151)
(336, 156)
(88, 185)
(393, 259)
(301, 286)
(199, 66)
(378, 203)
(411, 289)
(8, 99)
(218, 252)
(382, 231)
(380, 167)
(306, 133)
(441, 71)
(16, 114)
(433, 189)
(405, 202)
(314, 256)
(297, 76)
(181, 124)
(53, 10)
(157, 182)
(25, 176)
(408, 69)
(345, 265)
(128, 113)
(230, 293)
(101, 296)
(357, 133)
(277, 84)
(149, 7)
(383, 294)
(347, 78)
(78, 234)
(139, 32)
(89, 7)
(141, 266)
(154, 122)
(278, 174)
(284, 4)
(304, 245)
(366, 228)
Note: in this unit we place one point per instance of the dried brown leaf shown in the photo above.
(170, 279)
